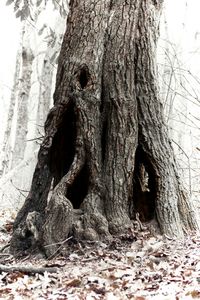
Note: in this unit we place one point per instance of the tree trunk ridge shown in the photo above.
(106, 151)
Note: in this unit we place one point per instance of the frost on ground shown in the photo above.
(135, 266)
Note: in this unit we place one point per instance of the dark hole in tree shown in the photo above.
(144, 187)
(28, 234)
(79, 189)
(62, 155)
(26, 241)
(84, 77)
(63, 145)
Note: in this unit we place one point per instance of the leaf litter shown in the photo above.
(138, 266)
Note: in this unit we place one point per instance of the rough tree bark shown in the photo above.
(106, 151)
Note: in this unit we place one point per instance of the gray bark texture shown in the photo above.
(106, 156)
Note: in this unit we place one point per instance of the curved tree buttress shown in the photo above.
(106, 154)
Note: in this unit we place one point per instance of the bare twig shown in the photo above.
(23, 269)
(60, 247)
(4, 247)
(18, 189)
(59, 243)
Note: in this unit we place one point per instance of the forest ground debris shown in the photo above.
(134, 266)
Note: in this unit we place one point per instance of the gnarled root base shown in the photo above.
(92, 225)
(58, 223)
(26, 237)
(61, 222)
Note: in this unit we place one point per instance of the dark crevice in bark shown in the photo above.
(63, 146)
(104, 111)
(104, 139)
(28, 234)
(84, 77)
(103, 96)
(111, 5)
(79, 189)
(62, 72)
(144, 191)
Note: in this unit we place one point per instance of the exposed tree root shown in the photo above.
(58, 224)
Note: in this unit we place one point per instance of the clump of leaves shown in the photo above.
(22, 8)
(26, 8)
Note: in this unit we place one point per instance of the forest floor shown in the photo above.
(135, 266)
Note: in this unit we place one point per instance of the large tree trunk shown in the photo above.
(106, 151)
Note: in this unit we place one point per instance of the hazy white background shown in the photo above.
(9, 35)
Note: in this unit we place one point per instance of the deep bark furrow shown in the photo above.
(122, 140)
(152, 131)
(153, 138)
